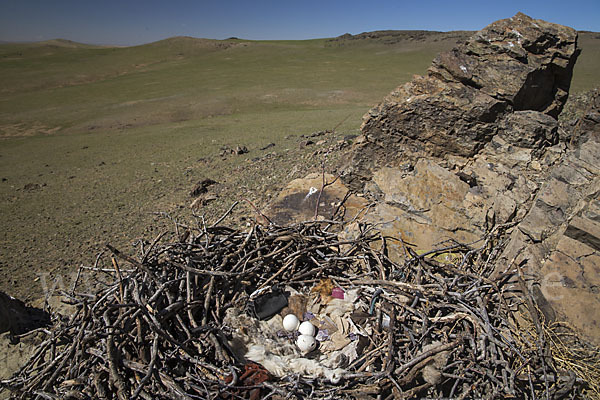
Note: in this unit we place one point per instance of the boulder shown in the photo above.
(298, 201)
(470, 93)
(525, 63)
(425, 206)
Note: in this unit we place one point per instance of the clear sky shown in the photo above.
(130, 22)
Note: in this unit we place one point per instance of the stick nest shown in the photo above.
(156, 330)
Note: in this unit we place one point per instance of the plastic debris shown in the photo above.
(337, 293)
(267, 305)
(322, 335)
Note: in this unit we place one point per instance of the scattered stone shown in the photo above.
(306, 143)
(239, 150)
(316, 134)
(268, 146)
(202, 187)
(30, 187)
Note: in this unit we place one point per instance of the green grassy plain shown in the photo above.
(93, 140)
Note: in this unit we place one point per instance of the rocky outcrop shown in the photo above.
(515, 64)
(475, 146)
(547, 189)
(558, 240)
(482, 121)
(476, 143)
(524, 63)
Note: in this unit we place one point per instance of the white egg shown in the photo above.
(306, 343)
(290, 322)
(306, 328)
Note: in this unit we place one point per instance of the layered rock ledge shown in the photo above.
(475, 145)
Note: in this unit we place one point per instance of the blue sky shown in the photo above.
(130, 22)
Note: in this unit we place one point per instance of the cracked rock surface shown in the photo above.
(471, 94)
(476, 145)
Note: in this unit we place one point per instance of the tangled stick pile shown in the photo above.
(157, 332)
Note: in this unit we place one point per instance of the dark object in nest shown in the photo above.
(266, 305)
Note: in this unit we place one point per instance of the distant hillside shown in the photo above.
(391, 37)
(585, 74)
(66, 43)
(188, 43)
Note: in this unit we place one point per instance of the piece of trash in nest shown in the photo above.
(374, 299)
(285, 334)
(385, 321)
(267, 305)
(334, 308)
(363, 329)
(325, 323)
(337, 342)
(311, 191)
(337, 293)
(308, 316)
(360, 317)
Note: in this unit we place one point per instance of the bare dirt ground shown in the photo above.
(51, 262)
